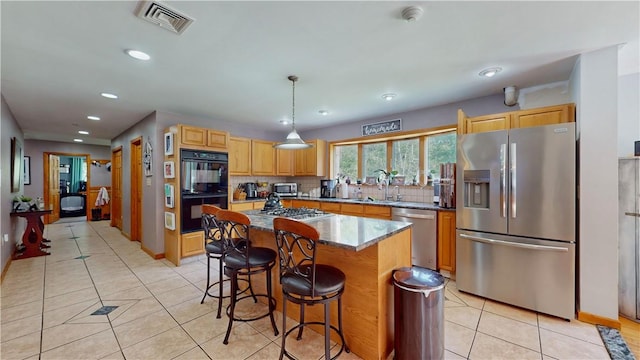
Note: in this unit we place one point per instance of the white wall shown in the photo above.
(628, 113)
(594, 86)
(12, 226)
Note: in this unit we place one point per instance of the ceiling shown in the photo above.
(232, 62)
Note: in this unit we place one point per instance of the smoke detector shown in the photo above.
(163, 16)
(412, 13)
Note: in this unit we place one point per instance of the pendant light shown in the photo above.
(293, 141)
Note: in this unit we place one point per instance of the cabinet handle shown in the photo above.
(632, 214)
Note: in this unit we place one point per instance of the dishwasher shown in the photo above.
(424, 250)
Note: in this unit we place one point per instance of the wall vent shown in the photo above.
(163, 16)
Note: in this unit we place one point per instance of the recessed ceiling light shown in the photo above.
(323, 112)
(137, 54)
(83, 132)
(78, 140)
(490, 72)
(389, 96)
(109, 96)
(91, 117)
(284, 122)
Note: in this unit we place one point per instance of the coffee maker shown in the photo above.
(252, 190)
(327, 188)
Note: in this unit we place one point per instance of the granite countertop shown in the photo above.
(400, 204)
(348, 232)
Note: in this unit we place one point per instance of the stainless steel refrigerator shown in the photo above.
(629, 237)
(516, 217)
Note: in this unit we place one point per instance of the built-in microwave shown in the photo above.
(285, 189)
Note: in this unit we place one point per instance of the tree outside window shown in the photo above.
(405, 158)
(374, 157)
(345, 160)
(440, 149)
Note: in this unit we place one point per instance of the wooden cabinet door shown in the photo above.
(242, 206)
(192, 243)
(239, 156)
(330, 207)
(284, 162)
(447, 241)
(487, 123)
(263, 158)
(305, 203)
(193, 136)
(217, 139)
(378, 212)
(543, 116)
(311, 162)
(352, 209)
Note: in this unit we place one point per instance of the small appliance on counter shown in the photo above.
(252, 190)
(436, 191)
(327, 188)
(272, 202)
(285, 189)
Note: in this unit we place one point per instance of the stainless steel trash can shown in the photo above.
(418, 296)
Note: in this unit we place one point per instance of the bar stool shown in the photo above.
(240, 258)
(306, 283)
(214, 248)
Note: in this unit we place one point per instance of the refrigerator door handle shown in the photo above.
(512, 179)
(632, 214)
(503, 180)
(512, 244)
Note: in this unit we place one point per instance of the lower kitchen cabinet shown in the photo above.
(305, 203)
(192, 243)
(447, 241)
(330, 207)
(378, 212)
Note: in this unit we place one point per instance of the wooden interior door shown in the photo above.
(136, 189)
(116, 186)
(52, 187)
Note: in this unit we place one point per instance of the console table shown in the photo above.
(32, 237)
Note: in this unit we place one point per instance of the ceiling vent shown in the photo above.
(164, 16)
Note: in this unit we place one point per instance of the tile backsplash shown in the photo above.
(310, 185)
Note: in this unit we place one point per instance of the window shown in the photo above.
(374, 157)
(440, 148)
(413, 155)
(405, 158)
(345, 160)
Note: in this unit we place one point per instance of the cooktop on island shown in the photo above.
(295, 213)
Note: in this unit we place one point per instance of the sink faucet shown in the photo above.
(398, 196)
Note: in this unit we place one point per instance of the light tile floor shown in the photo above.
(46, 305)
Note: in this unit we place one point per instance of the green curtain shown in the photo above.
(76, 173)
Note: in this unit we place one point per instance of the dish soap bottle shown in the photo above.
(359, 193)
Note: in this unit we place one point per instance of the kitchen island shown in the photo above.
(367, 251)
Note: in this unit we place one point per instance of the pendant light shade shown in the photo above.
(293, 141)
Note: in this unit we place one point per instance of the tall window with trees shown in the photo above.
(405, 158)
(440, 148)
(345, 160)
(374, 157)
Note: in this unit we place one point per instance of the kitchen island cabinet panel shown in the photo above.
(192, 243)
(367, 300)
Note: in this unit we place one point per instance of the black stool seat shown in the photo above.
(258, 256)
(329, 280)
(214, 248)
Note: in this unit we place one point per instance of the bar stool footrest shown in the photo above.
(272, 306)
(343, 347)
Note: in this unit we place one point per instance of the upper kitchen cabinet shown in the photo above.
(284, 160)
(239, 156)
(263, 160)
(516, 119)
(543, 116)
(312, 161)
(195, 137)
(467, 125)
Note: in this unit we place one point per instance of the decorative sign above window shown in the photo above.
(382, 127)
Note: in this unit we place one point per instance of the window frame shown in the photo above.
(421, 134)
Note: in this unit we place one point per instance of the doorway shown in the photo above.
(66, 178)
(136, 189)
(116, 183)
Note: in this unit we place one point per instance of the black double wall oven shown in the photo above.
(204, 180)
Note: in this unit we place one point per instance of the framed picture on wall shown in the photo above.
(147, 159)
(169, 170)
(169, 199)
(26, 170)
(168, 143)
(169, 220)
(16, 164)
